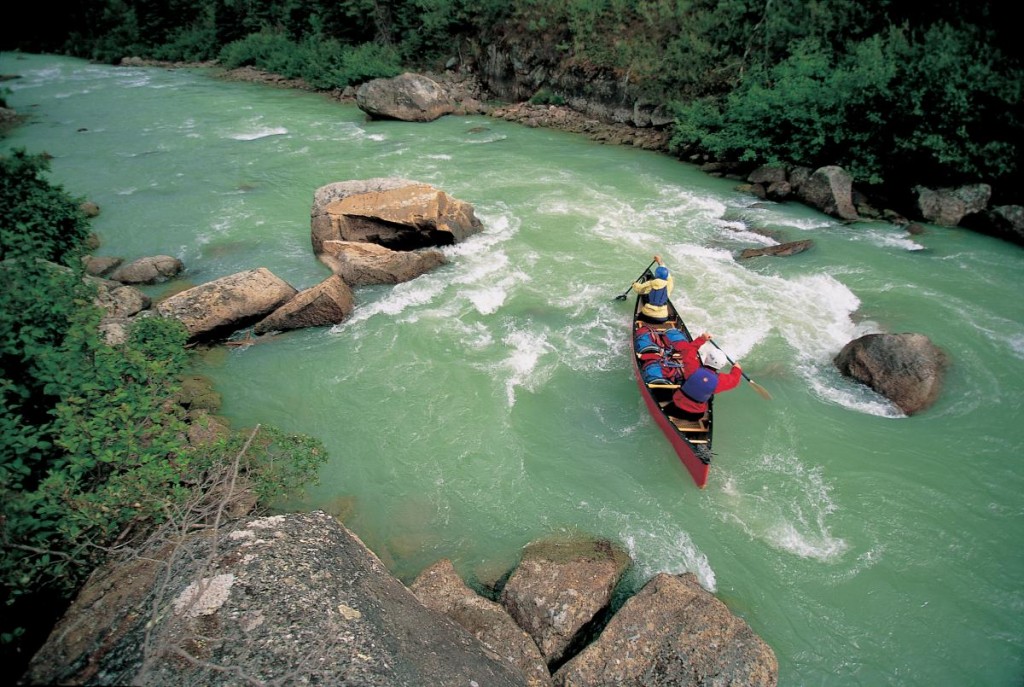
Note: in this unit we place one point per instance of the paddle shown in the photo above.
(622, 296)
(757, 387)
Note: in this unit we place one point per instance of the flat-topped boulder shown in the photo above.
(393, 213)
(219, 307)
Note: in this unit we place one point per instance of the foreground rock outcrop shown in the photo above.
(908, 369)
(673, 633)
(286, 599)
(573, 581)
(298, 599)
(439, 587)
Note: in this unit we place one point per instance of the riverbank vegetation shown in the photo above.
(95, 449)
(896, 92)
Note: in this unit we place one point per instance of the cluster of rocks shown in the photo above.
(376, 231)
(298, 598)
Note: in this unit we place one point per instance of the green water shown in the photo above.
(490, 402)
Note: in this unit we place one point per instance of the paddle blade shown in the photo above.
(760, 390)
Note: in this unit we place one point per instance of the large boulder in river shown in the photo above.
(329, 302)
(408, 97)
(908, 369)
(439, 587)
(830, 190)
(949, 206)
(394, 213)
(148, 270)
(287, 599)
(560, 587)
(673, 633)
(363, 264)
(222, 306)
(1003, 221)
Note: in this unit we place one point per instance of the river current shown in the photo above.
(491, 402)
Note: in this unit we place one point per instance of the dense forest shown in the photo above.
(897, 92)
(92, 449)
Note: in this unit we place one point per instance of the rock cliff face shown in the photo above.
(516, 71)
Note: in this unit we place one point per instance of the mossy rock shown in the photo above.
(197, 393)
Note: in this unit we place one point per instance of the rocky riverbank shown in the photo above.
(967, 207)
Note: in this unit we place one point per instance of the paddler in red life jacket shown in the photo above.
(657, 291)
(701, 364)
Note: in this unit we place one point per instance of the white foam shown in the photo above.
(262, 132)
(522, 366)
(796, 518)
(673, 553)
(887, 239)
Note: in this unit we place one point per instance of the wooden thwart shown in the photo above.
(691, 426)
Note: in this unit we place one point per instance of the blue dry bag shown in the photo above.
(673, 335)
(645, 343)
(660, 372)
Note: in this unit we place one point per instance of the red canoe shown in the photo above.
(691, 440)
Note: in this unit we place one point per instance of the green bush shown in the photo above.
(268, 50)
(189, 44)
(545, 97)
(40, 220)
(329, 64)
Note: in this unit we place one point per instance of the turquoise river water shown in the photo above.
(491, 402)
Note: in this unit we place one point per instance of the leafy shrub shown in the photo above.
(268, 50)
(40, 219)
(328, 64)
(188, 44)
(546, 97)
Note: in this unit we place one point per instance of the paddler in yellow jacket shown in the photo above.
(657, 291)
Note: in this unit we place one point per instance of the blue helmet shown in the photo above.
(661, 272)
